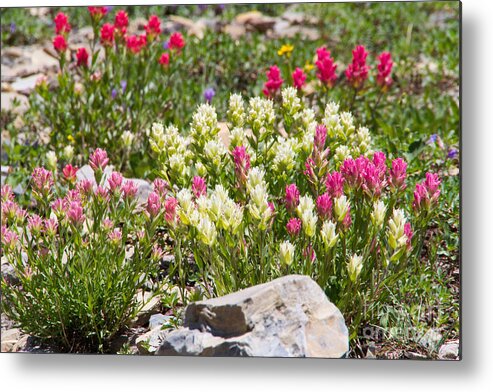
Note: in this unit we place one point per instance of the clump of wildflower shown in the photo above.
(261, 113)
(115, 181)
(291, 103)
(153, 204)
(334, 184)
(121, 22)
(285, 50)
(397, 179)
(82, 57)
(160, 187)
(135, 43)
(115, 236)
(6, 193)
(378, 214)
(357, 71)
(293, 227)
(75, 213)
(62, 26)
(176, 42)
(328, 234)
(51, 227)
(324, 206)
(170, 210)
(107, 34)
(199, 186)
(242, 163)
(153, 27)
(355, 266)
(97, 13)
(51, 160)
(286, 253)
(326, 67)
(384, 67)
(42, 181)
(209, 93)
(127, 138)
(70, 173)
(274, 81)
(292, 197)
(236, 110)
(426, 193)
(60, 44)
(307, 215)
(98, 159)
(129, 189)
(9, 239)
(299, 78)
(285, 152)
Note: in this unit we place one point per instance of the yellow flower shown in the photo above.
(308, 66)
(286, 49)
(70, 138)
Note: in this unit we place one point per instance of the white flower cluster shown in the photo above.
(236, 110)
(306, 212)
(215, 151)
(285, 153)
(286, 252)
(204, 127)
(258, 205)
(328, 234)
(397, 238)
(340, 126)
(355, 266)
(173, 150)
(378, 214)
(216, 211)
(291, 103)
(261, 113)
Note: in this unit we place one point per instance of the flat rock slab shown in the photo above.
(288, 317)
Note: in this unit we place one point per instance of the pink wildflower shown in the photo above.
(129, 189)
(176, 42)
(199, 187)
(35, 224)
(153, 27)
(85, 187)
(62, 26)
(101, 194)
(97, 12)
(70, 173)
(82, 57)
(6, 193)
(293, 227)
(164, 59)
(397, 179)
(115, 236)
(274, 81)
(320, 137)
(170, 210)
(299, 78)
(292, 197)
(107, 34)
(51, 226)
(121, 22)
(98, 159)
(115, 181)
(42, 181)
(357, 71)
(324, 206)
(107, 224)
(384, 68)
(60, 44)
(136, 43)
(153, 204)
(242, 163)
(160, 187)
(9, 239)
(347, 221)
(75, 213)
(409, 234)
(335, 184)
(326, 67)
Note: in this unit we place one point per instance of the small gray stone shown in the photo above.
(449, 351)
(431, 339)
(157, 320)
(149, 342)
(288, 317)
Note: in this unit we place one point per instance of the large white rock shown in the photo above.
(288, 317)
